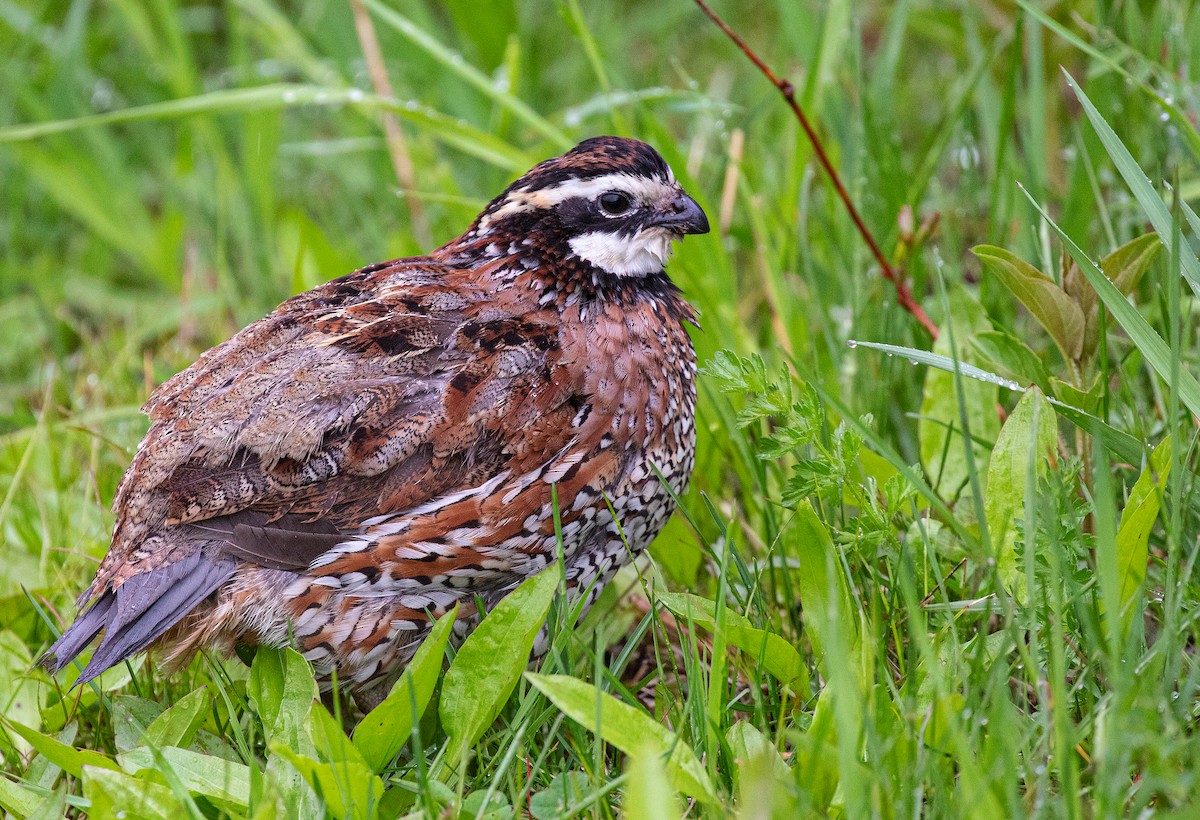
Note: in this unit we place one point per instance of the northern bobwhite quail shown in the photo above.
(383, 446)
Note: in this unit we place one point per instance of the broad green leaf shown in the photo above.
(1012, 358)
(131, 716)
(333, 746)
(1158, 354)
(746, 742)
(1125, 267)
(384, 731)
(223, 781)
(21, 693)
(1086, 400)
(115, 795)
(1027, 438)
(282, 689)
(774, 652)
(345, 762)
(760, 776)
(942, 723)
(627, 728)
(67, 758)
(649, 793)
(16, 799)
(565, 790)
(877, 467)
(940, 428)
(1054, 309)
(1133, 533)
(676, 553)
(53, 805)
(489, 663)
(496, 806)
(815, 768)
(178, 725)
(1128, 264)
(824, 592)
(349, 789)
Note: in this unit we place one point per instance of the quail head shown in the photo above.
(382, 447)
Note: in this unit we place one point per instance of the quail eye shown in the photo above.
(615, 203)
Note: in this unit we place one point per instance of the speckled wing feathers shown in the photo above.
(369, 385)
(381, 392)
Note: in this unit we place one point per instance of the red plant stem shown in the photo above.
(903, 294)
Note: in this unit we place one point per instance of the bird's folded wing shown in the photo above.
(374, 394)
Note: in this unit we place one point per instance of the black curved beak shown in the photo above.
(682, 215)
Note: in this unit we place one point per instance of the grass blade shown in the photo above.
(1139, 184)
(455, 63)
(630, 730)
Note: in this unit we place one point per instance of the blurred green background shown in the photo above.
(170, 171)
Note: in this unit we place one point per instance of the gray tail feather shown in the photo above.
(136, 612)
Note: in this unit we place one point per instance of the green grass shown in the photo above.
(891, 591)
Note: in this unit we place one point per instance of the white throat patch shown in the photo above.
(644, 253)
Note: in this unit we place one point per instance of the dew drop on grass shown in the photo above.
(852, 343)
(355, 95)
(968, 157)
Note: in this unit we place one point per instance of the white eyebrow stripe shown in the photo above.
(642, 189)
